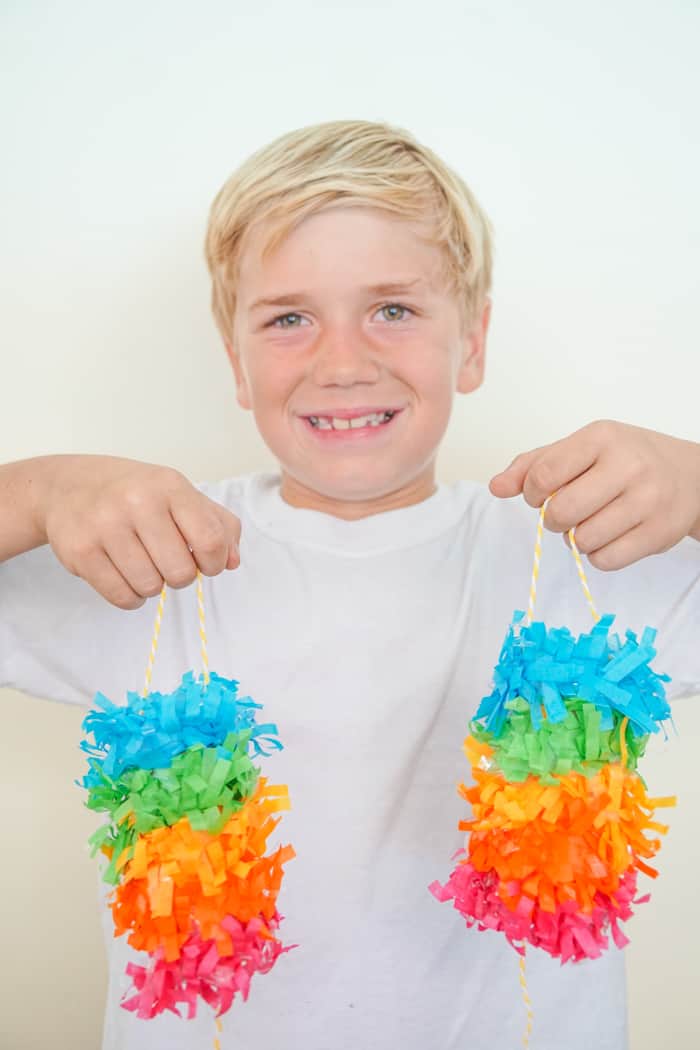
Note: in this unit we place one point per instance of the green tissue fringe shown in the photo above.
(202, 784)
(576, 744)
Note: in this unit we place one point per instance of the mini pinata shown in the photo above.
(189, 816)
(560, 811)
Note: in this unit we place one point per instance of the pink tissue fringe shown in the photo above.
(201, 971)
(567, 933)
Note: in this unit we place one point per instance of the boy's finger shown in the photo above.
(582, 498)
(209, 531)
(558, 464)
(98, 569)
(232, 527)
(168, 549)
(132, 560)
(234, 558)
(639, 542)
(510, 481)
(610, 523)
(540, 472)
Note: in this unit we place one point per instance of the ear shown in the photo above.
(471, 370)
(242, 390)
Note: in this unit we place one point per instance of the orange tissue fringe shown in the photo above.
(179, 879)
(556, 844)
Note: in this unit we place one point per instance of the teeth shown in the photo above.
(375, 419)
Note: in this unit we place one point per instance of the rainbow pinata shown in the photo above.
(560, 813)
(189, 816)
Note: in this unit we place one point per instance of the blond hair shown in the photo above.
(353, 162)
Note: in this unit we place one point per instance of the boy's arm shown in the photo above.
(21, 528)
(76, 530)
(123, 526)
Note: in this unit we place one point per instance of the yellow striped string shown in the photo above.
(202, 630)
(536, 565)
(528, 1003)
(530, 612)
(154, 642)
(596, 616)
(205, 668)
(156, 632)
(536, 562)
(582, 575)
(623, 742)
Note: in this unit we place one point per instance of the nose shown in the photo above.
(343, 357)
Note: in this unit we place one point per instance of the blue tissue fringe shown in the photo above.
(546, 665)
(148, 732)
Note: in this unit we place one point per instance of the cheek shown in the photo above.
(269, 385)
(272, 398)
(434, 380)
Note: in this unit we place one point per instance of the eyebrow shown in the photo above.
(386, 288)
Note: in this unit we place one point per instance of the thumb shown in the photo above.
(510, 481)
(232, 526)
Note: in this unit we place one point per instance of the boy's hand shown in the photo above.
(125, 527)
(628, 492)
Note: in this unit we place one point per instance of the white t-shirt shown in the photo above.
(370, 644)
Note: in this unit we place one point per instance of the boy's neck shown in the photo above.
(295, 493)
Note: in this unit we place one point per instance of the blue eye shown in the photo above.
(393, 306)
(283, 317)
(388, 306)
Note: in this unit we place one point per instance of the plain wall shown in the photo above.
(576, 126)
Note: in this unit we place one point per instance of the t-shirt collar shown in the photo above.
(388, 530)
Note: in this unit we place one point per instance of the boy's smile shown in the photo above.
(351, 424)
(351, 379)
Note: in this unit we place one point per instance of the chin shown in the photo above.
(355, 491)
(352, 487)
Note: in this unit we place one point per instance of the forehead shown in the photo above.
(354, 244)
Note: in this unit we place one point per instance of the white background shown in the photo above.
(575, 124)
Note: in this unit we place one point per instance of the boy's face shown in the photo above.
(336, 347)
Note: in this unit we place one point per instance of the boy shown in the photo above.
(351, 270)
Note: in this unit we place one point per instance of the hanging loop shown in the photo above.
(156, 632)
(536, 565)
